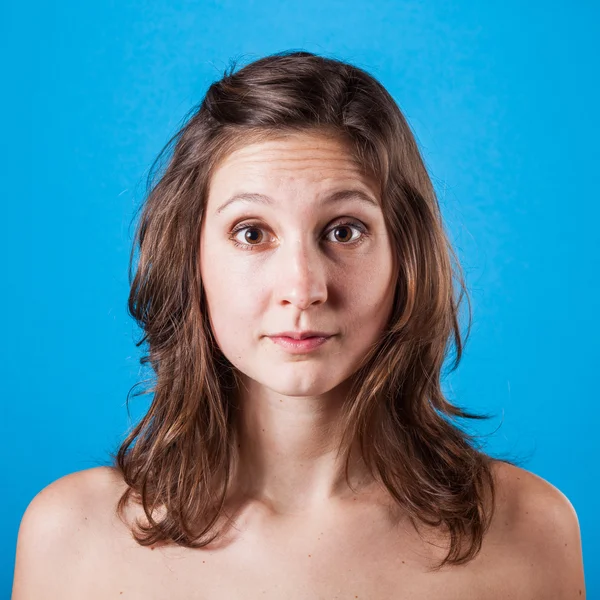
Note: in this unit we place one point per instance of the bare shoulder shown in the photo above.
(530, 500)
(67, 503)
(60, 525)
(540, 525)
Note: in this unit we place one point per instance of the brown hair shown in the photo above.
(177, 459)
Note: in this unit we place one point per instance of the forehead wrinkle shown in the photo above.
(303, 149)
(278, 164)
(323, 169)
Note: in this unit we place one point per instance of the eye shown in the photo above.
(253, 234)
(347, 226)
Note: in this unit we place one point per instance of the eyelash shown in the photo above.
(354, 224)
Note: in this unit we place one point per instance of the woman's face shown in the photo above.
(312, 253)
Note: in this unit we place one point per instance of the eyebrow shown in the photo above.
(338, 196)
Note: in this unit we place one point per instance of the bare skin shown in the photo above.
(310, 264)
(299, 532)
(72, 546)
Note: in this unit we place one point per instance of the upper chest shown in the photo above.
(363, 557)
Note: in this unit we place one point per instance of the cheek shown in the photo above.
(231, 327)
(370, 303)
(233, 301)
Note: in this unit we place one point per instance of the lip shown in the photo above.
(302, 346)
(300, 335)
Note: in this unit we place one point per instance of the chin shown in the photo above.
(292, 383)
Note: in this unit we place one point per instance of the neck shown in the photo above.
(287, 450)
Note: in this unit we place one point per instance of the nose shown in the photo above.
(301, 278)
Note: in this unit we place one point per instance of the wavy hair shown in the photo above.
(177, 460)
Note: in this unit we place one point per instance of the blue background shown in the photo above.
(503, 99)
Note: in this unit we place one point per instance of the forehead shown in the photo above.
(296, 157)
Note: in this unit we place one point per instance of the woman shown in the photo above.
(295, 288)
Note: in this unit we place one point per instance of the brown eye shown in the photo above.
(343, 233)
(253, 235)
(343, 238)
